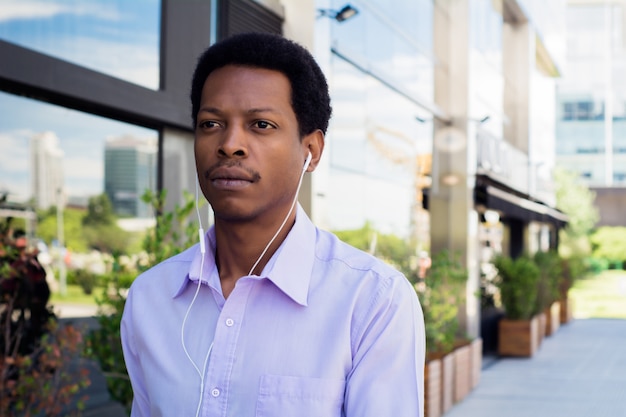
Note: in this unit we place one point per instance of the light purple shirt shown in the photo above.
(326, 330)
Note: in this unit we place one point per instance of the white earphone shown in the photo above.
(307, 162)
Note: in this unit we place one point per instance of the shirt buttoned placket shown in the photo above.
(227, 331)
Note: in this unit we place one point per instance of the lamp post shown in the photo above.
(61, 239)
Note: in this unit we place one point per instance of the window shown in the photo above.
(582, 110)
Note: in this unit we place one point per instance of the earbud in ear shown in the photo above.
(307, 162)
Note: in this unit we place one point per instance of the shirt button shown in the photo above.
(230, 322)
(215, 392)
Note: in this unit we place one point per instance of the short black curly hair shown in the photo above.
(310, 99)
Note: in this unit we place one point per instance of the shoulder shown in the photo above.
(334, 252)
(365, 279)
(169, 273)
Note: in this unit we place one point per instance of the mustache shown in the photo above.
(254, 175)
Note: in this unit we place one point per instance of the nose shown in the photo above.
(233, 143)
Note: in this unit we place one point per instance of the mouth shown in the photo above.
(231, 177)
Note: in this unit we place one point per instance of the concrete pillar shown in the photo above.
(518, 57)
(454, 222)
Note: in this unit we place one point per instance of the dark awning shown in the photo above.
(515, 205)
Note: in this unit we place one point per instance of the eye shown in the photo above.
(263, 124)
(207, 124)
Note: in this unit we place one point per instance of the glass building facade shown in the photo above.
(118, 39)
(381, 78)
(591, 108)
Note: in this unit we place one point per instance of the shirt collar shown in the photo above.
(290, 268)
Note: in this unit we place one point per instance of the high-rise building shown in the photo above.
(46, 170)
(129, 170)
(591, 102)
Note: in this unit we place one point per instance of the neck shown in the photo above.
(239, 248)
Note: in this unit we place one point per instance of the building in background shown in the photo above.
(591, 103)
(46, 171)
(443, 121)
(129, 171)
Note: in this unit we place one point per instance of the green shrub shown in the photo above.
(517, 282)
(173, 233)
(598, 265)
(87, 280)
(440, 296)
(550, 276)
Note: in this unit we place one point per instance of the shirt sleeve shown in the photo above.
(387, 377)
(140, 405)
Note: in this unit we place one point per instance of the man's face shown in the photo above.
(248, 152)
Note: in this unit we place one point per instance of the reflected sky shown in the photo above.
(81, 137)
(116, 37)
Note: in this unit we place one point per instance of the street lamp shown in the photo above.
(345, 13)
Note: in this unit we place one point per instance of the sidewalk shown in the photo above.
(99, 402)
(580, 371)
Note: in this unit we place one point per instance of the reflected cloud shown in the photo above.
(14, 147)
(27, 9)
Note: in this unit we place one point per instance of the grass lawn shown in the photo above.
(600, 296)
(75, 295)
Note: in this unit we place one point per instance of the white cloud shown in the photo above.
(15, 146)
(27, 9)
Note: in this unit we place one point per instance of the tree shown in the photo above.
(610, 243)
(577, 201)
(99, 211)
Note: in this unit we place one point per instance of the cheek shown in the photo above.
(202, 150)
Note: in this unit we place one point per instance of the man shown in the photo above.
(268, 315)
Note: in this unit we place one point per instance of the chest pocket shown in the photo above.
(288, 396)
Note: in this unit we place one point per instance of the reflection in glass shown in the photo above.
(392, 41)
(49, 149)
(378, 150)
(116, 37)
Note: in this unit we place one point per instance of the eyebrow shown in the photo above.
(215, 110)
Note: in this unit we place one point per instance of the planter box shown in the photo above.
(518, 337)
(553, 318)
(541, 331)
(462, 371)
(476, 367)
(432, 388)
(567, 310)
(447, 382)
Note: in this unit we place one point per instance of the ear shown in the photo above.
(314, 143)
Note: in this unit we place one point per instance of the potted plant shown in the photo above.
(550, 276)
(440, 294)
(573, 267)
(517, 282)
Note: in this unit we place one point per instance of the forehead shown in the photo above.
(232, 82)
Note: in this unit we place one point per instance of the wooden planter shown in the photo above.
(447, 382)
(518, 337)
(553, 318)
(476, 348)
(567, 309)
(462, 371)
(541, 331)
(432, 388)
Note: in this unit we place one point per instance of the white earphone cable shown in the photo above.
(193, 300)
(202, 237)
(293, 204)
